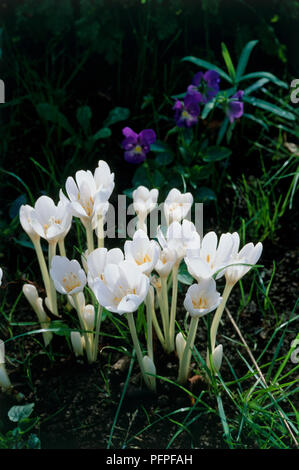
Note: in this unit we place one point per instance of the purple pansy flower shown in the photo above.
(204, 86)
(186, 113)
(136, 146)
(235, 106)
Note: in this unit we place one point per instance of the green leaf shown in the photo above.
(184, 277)
(103, 133)
(255, 86)
(268, 75)
(50, 113)
(116, 115)
(33, 442)
(228, 62)
(160, 147)
(18, 413)
(158, 179)
(269, 107)
(222, 130)
(207, 109)
(244, 57)
(205, 194)
(140, 177)
(163, 159)
(215, 154)
(255, 119)
(207, 65)
(84, 115)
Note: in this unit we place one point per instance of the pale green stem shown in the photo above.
(173, 305)
(218, 314)
(61, 247)
(185, 362)
(156, 323)
(137, 347)
(43, 267)
(100, 233)
(83, 328)
(89, 236)
(53, 295)
(97, 333)
(149, 326)
(165, 312)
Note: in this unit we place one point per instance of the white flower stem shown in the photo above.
(100, 233)
(83, 328)
(5, 382)
(97, 333)
(165, 313)
(141, 224)
(61, 247)
(53, 295)
(186, 357)
(218, 314)
(173, 305)
(137, 348)
(89, 237)
(149, 326)
(157, 326)
(43, 267)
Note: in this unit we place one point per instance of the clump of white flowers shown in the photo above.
(145, 272)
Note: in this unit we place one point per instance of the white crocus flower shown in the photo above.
(166, 261)
(5, 382)
(202, 298)
(1, 275)
(209, 259)
(104, 179)
(177, 205)
(85, 198)
(150, 369)
(36, 302)
(142, 251)
(217, 356)
(49, 221)
(248, 255)
(98, 259)
(144, 201)
(25, 215)
(68, 276)
(180, 237)
(124, 288)
(80, 301)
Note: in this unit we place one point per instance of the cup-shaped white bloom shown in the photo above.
(104, 179)
(50, 221)
(144, 201)
(142, 251)
(98, 259)
(210, 258)
(25, 215)
(5, 382)
(86, 199)
(166, 261)
(177, 205)
(68, 276)
(123, 289)
(180, 237)
(1, 275)
(77, 343)
(180, 344)
(202, 298)
(248, 255)
(217, 357)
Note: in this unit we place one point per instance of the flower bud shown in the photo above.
(88, 315)
(217, 357)
(77, 343)
(180, 344)
(149, 368)
(5, 383)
